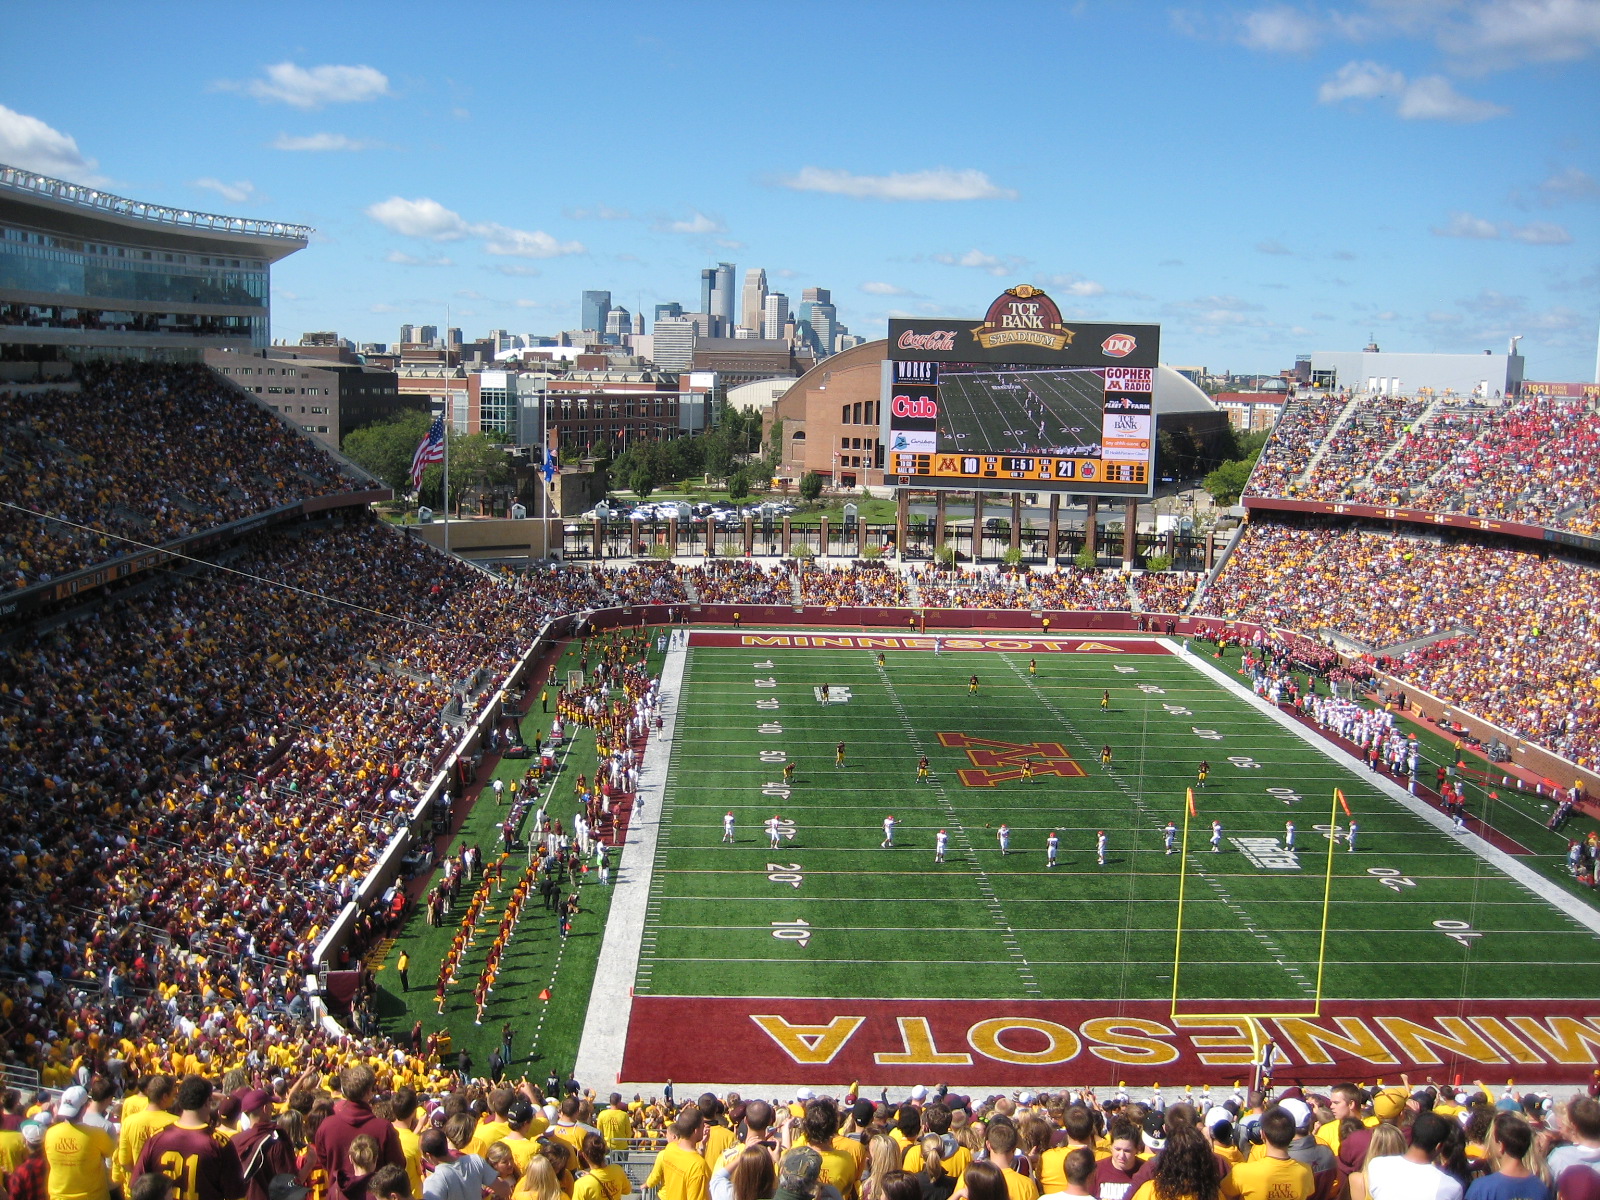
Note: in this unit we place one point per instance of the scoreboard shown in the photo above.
(1020, 401)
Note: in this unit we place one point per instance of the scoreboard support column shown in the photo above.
(977, 527)
(1055, 527)
(1016, 520)
(938, 518)
(1091, 527)
(902, 514)
(1130, 533)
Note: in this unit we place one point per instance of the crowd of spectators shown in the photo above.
(363, 1124)
(859, 585)
(1528, 460)
(1300, 430)
(141, 452)
(1522, 645)
(739, 581)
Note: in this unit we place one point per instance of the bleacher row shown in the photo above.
(199, 770)
(1528, 460)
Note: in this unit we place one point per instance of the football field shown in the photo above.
(1029, 411)
(833, 954)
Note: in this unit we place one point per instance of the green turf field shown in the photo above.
(1412, 913)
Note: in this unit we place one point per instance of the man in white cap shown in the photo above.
(78, 1154)
(29, 1178)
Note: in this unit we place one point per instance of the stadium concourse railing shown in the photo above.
(763, 619)
(1423, 516)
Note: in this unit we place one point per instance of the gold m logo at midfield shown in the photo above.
(999, 762)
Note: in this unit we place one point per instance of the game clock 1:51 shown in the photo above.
(1017, 464)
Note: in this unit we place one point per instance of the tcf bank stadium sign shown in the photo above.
(1015, 1043)
(1023, 316)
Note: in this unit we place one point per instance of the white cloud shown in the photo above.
(1273, 246)
(1570, 184)
(938, 184)
(1496, 34)
(411, 260)
(515, 269)
(422, 218)
(29, 143)
(1540, 233)
(978, 260)
(1434, 98)
(313, 87)
(878, 288)
(1535, 233)
(319, 142)
(1360, 81)
(234, 193)
(1280, 31)
(694, 223)
(599, 212)
(426, 218)
(1430, 98)
(1465, 225)
(1072, 285)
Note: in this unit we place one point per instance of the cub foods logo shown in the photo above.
(1118, 345)
(1023, 316)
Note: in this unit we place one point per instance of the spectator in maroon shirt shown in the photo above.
(351, 1118)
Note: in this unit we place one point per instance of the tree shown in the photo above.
(1226, 483)
(643, 480)
(738, 486)
(475, 461)
(810, 486)
(386, 448)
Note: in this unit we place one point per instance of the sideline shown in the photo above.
(1541, 887)
(605, 1024)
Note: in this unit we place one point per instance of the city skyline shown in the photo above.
(1262, 179)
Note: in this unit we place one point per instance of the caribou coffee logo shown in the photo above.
(1023, 316)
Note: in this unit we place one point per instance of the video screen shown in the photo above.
(1021, 409)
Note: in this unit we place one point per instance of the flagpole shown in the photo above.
(449, 424)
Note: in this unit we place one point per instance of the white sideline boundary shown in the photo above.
(605, 1024)
(1571, 906)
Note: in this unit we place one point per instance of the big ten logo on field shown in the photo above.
(1000, 762)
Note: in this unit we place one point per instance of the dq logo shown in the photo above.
(999, 762)
(913, 406)
(1118, 345)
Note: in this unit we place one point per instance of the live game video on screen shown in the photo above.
(1021, 400)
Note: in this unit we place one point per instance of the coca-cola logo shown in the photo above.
(913, 406)
(937, 339)
(1118, 345)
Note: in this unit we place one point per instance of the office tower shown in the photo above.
(595, 307)
(673, 341)
(724, 305)
(454, 335)
(617, 325)
(774, 315)
(670, 309)
(752, 306)
(638, 323)
(427, 334)
(822, 317)
(708, 288)
(408, 333)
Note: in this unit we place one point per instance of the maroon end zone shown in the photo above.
(1046, 1043)
(1019, 644)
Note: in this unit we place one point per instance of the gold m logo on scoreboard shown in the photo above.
(1001, 762)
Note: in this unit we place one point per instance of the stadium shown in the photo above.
(302, 805)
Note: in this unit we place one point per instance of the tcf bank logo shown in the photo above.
(913, 406)
(1023, 316)
(1119, 345)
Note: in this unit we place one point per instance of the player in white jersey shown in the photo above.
(1003, 836)
(1216, 837)
(888, 833)
(939, 843)
(1052, 846)
(1100, 847)
(1288, 835)
(772, 832)
(1169, 836)
(727, 827)
(1350, 837)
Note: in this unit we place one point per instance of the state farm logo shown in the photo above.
(1118, 345)
(913, 406)
(937, 339)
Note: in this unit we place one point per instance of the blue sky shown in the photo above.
(1261, 179)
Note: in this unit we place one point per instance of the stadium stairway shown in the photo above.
(1424, 418)
(1344, 418)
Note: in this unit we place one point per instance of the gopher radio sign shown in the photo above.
(1024, 399)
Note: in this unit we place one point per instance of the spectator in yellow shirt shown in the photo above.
(680, 1171)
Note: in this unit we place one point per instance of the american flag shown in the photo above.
(431, 450)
